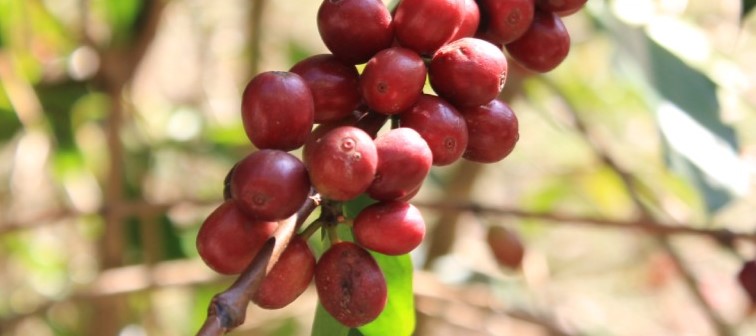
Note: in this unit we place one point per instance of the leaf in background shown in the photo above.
(9, 123)
(398, 318)
(353, 207)
(325, 325)
(746, 8)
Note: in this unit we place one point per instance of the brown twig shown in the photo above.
(227, 309)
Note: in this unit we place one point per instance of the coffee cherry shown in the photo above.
(277, 110)
(493, 131)
(228, 240)
(470, 21)
(544, 46)
(507, 20)
(404, 160)
(505, 246)
(334, 85)
(355, 30)
(747, 279)
(391, 228)
(426, 25)
(393, 80)
(350, 285)
(468, 72)
(342, 163)
(560, 6)
(440, 125)
(288, 278)
(270, 184)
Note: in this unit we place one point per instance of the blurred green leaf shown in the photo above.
(9, 122)
(325, 325)
(123, 16)
(57, 102)
(398, 318)
(746, 8)
(353, 207)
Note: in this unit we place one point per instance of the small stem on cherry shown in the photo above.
(333, 235)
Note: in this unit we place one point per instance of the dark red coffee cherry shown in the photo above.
(507, 20)
(493, 131)
(393, 80)
(355, 30)
(288, 278)
(505, 246)
(277, 110)
(270, 184)
(544, 46)
(468, 72)
(747, 279)
(391, 228)
(342, 163)
(228, 240)
(440, 125)
(426, 25)
(470, 21)
(560, 6)
(350, 285)
(404, 160)
(334, 85)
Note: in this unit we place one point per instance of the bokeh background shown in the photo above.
(120, 119)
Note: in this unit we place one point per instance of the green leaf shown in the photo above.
(325, 325)
(398, 318)
(746, 8)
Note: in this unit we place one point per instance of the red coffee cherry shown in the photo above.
(391, 228)
(355, 30)
(277, 110)
(270, 184)
(544, 46)
(470, 21)
(440, 125)
(426, 25)
(228, 240)
(747, 279)
(506, 20)
(560, 6)
(505, 246)
(404, 160)
(350, 285)
(334, 85)
(468, 72)
(289, 278)
(492, 131)
(393, 80)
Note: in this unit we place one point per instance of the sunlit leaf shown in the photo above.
(325, 325)
(398, 318)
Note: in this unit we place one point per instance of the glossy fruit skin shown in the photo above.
(355, 30)
(507, 20)
(393, 80)
(544, 46)
(270, 184)
(493, 131)
(391, 228)
(468, 72)
(350, 285)
(228, 240)
(289, 278)
(470, 21)
(747, 279)
(441, 126)
(334, 85)
(426, 25)
(505, 246)
(560, 6)
(277, 110)
(404, 160)
(342, 163)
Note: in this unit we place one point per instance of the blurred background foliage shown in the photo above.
(120, 119)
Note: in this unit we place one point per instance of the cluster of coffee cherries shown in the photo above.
(350, 153)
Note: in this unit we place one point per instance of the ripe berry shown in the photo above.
(544, 46)
(270, 184)
(493, 131)
(468, 72)
(391, 228)
(355, 30)
(440, 125)
(507, 20)
(288, 278)
(505, 246)
(393, 80)
(334, 86)
(342, 163)
(277, 110)
(404, 160)
(747, 279)
(350, 285)
(560, 6)
(228, 240)
(426, 25)
(470, 21)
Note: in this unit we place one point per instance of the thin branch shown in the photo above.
(227, 309)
